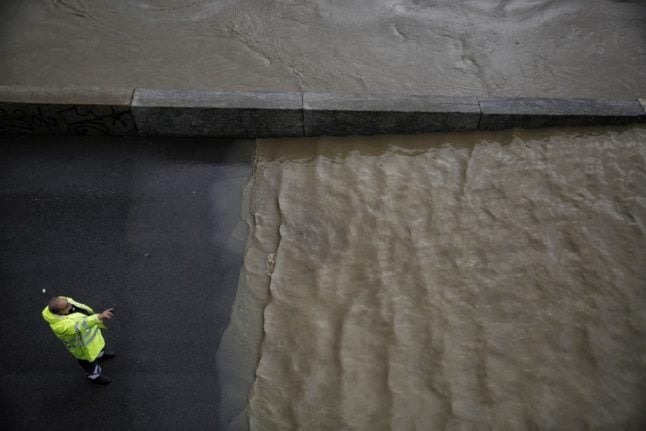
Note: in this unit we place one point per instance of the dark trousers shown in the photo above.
(92, 368)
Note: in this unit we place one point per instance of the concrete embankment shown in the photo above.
(145, 112)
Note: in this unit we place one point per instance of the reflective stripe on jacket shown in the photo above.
(80, 334)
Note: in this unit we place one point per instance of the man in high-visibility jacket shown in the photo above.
(79, 328)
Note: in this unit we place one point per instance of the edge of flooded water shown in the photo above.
(239, 352)
(162, 112)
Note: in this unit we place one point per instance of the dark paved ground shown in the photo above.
(144, 223)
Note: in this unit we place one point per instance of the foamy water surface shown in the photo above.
(459, 281)
(531, 48)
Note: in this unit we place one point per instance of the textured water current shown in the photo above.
(565, 48)
(459, 281)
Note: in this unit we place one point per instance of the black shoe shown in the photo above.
(107, 355)
(102, 380)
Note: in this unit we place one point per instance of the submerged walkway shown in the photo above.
(145, 224)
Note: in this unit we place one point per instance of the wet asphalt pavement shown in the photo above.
(143, 223)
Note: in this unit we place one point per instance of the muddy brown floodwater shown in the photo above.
(565, 48)
(458, 281)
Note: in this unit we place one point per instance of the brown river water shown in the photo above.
(448, 281)
(565, 48)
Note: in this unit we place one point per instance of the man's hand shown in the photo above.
(106, 315)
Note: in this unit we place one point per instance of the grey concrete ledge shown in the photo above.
(388, 103)
(70, 111)
(505, 113)
(67, 95)
(332, 114)
(120, 111)
(206, 113)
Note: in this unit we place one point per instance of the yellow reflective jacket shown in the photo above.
(79, 333)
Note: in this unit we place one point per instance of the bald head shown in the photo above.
(57, 305)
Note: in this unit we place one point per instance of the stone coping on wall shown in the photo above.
(159, 112)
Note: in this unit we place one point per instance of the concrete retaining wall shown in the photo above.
(87, 111)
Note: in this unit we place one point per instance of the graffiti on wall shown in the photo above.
(66, 119)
